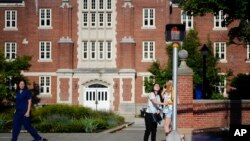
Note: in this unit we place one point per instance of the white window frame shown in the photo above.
(222, 50)
(45, 85)
(108, 50)
(108, 19)
(93, 54)
(11, 18)
(144, 77)
(101, 5)
(101, 50)
(219, 18)
(93, 4)
(10, 50)
(148, 48)
(85, 4)
(109, 5)
(85, 50)
(186, 19)
(150, 16)
(47, 50)
(101, 19)
(222, 86)
(93, 19)
(248, 53)
(85, 17)
(47, 13)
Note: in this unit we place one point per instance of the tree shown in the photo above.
(234, 10)
(10, 74)
(194, 61)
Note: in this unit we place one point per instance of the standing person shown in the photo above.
(167, 95)
(152, 108)
(22, 113)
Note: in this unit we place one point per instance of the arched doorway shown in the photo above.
(96, 96)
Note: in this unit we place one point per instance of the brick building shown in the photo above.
(96, 52)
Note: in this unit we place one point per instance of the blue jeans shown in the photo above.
(18, 121)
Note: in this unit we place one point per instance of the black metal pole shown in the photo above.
(204, 87)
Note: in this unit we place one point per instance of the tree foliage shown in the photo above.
(191, 43)
(233, 10)
(10, 74)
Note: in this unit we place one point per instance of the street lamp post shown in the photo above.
(204, 53)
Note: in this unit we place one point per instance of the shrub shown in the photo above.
(66, 118)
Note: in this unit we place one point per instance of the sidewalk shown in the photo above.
(133, 131)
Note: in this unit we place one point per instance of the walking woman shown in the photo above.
(22, 114)
(152, 108)
(167, 95)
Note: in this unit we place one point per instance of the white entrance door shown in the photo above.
(97, 98)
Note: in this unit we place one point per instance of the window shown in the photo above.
(219, 21)
(10, 19)
(220, 51)
(109, 5)
(187, 20)
(85, 4)
(45, 50)
(148, 78)
(101, 50)
(93, 19)
(148, 17)
(108, 50)
(108, 20)
(148, 50)
(45, 83)
(45, 18)
(85, 19)
(85, 50)
(221, 87)
(97, 13)
(248, 52)
(101, 20)
(10, 50)
(93, 50)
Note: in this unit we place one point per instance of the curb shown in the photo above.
(115, 129)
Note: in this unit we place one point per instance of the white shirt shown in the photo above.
(151, 108)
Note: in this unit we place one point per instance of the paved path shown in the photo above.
(133, 132)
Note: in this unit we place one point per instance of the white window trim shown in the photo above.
(108, 22)
(5, 21)
(225, 52)
(99, 51)
(224, 93)
(91, 51)
(99, 20)
(144, 94)
(87, 51)
(187, 20)
(45, 93)
(45, 59)
(143, 50)
(143, 19)
(45, 26)
(220, 20)
(248, 53)
(5, 50)
(106, 50)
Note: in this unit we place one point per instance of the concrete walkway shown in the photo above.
(133, 131)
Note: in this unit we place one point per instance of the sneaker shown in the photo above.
(43, 139)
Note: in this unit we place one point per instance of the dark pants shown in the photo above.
(18, 121)
(151, 127)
